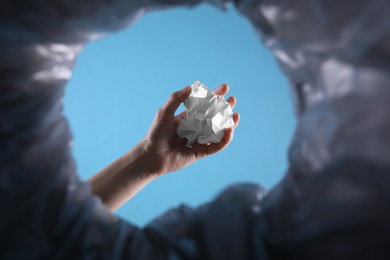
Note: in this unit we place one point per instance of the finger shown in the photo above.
(205, 150)
(227, 138)
(236, 119)
(167, 111)
(222, 90)
(232, 101)
(182, 115)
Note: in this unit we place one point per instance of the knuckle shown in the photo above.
(175, 95)
(160, 112)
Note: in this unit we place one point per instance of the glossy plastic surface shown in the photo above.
(333, 203)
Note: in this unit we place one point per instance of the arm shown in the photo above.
(160, 152)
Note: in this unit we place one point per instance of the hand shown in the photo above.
(161, 151)
(166, 151)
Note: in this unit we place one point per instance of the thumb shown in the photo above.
(167, 111)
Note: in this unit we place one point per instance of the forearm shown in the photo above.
(122, 179)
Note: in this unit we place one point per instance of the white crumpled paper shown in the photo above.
(207, 116)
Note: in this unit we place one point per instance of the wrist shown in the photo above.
(144, 162)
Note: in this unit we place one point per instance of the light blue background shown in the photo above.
(120, 82)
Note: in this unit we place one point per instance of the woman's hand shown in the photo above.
(161, 151)
(166, 151)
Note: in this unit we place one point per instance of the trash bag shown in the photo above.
(332, 204)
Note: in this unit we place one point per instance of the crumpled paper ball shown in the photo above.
(207, 116)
